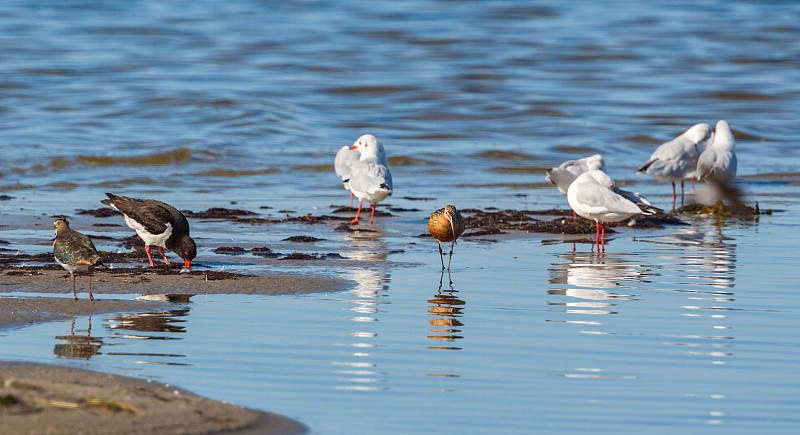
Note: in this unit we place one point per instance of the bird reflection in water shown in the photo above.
(164, 321)
(78, 346)
(446, 309)
(359, 372)
(586, 276)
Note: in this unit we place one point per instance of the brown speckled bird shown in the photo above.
(446, 225)
(74, 251)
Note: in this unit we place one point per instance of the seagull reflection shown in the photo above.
(446, 309)
(707, 257)
(164, 321)
(78, 346)
(585, 277)
(359, 373)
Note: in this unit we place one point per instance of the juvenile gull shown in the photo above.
(370, 179)
(676, 160)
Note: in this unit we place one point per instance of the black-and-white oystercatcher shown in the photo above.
(75, 252)
(158, 224)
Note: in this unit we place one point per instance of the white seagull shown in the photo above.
(718, 161)
(370, 179)
(567, 172)
(676, 160)
(345, 157)
(594, 195)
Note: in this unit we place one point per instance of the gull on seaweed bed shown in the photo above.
(676, 160)
(75, 252)
(370, 179)
(158, 224)
(595, 196)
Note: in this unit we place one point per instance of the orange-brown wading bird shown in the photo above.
(446, 225)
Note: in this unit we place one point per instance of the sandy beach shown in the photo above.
(47, 399)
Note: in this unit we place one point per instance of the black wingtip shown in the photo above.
(645, 165)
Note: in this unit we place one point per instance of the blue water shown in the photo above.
(672, 329)
(205, 104)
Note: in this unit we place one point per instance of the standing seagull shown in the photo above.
(446, 225)
(158, 224)
(594, 195)
(676, 160)
(345, 157)
(718, 161)
(75, 251)
(370, 179)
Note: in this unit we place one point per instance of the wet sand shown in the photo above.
(47, 399)
(139, 280)
(19, 312)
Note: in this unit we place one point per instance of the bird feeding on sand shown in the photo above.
(446, 225)
(595, 196)
(158, 224)
(75, 252)
(676, 160)
(370, 179)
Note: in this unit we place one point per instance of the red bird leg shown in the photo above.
(147, 249)
(603, 238)
(74, 293)
(161, 251)
(373, 213)
(574, 215)
(355, 221)
(681, 192)
(597, 236)
(91, 297)
(351, 199)
(674, 196)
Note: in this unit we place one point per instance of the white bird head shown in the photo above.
(369, 147)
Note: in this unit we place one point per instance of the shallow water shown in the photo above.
(202, 105)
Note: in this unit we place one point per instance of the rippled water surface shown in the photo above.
(201, 104)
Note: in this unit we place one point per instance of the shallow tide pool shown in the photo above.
(673, 328)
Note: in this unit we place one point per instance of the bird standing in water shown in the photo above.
(676, 160)
(446, 225)
(596, 196)
(75, 252)
(158, 224)
(370, 179)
